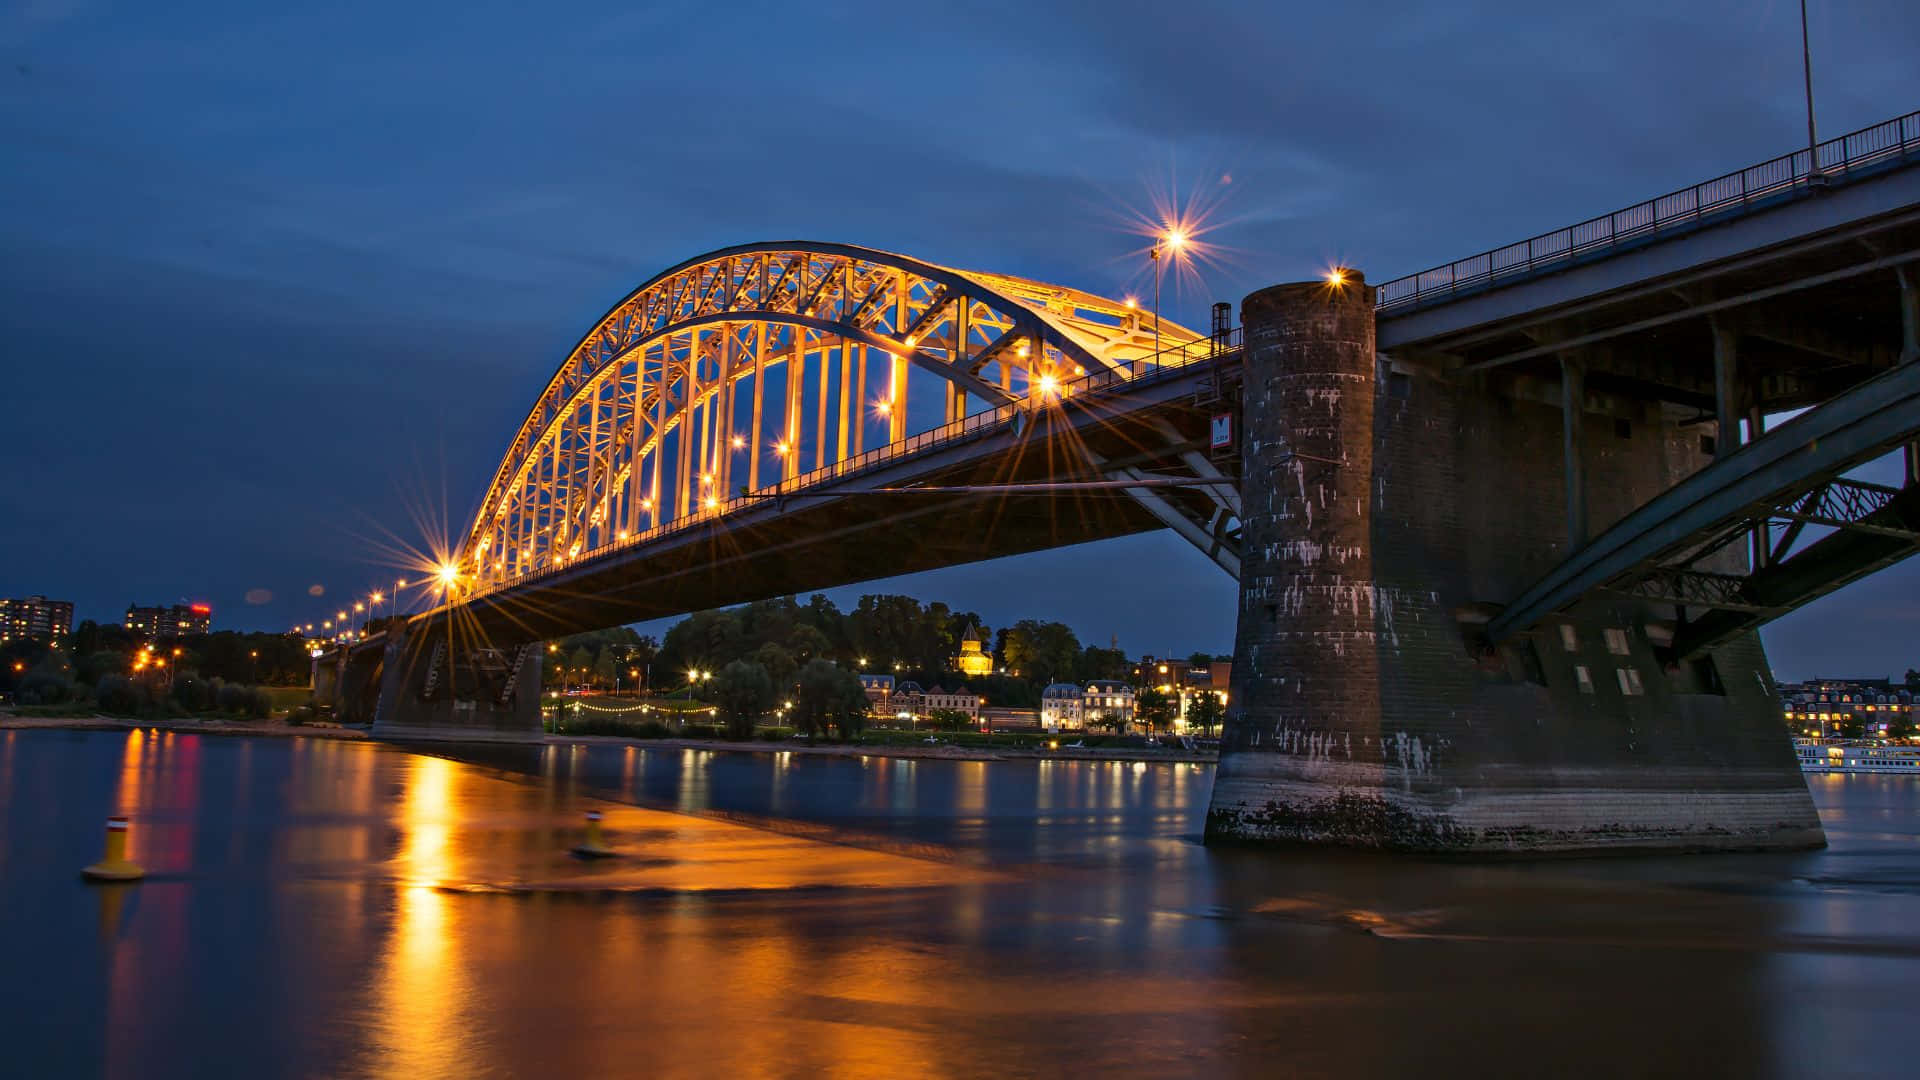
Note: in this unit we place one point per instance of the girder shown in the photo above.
(1788, 479)
(713, 376)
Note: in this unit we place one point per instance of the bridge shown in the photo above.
(1504, 529)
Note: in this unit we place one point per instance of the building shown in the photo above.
(1838, 707)
(1106, 701)
(36, 617)
(879, 690)
(973, 658)
(178, 620)
(941, 699)
(1062, 707)
(910, 702)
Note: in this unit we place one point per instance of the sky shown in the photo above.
(278, 282)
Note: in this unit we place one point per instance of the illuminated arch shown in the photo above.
(590, 466)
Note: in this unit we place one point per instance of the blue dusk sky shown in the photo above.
(278, 281)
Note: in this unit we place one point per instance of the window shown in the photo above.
(1630, 682)
(1584, 677)
(1616, 641)
(1569, 637)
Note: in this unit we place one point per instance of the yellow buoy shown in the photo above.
(595, 845)
(115, 866)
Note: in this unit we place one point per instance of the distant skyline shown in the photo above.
(279, 285)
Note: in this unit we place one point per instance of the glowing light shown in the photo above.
(712, 502)
(376, 598)
(1336, 277)
(449, 574)
(883, 407)
(909, 340)
(1176, 238)
(706, 478)
(1045, 385)
(738, 442)
(781, 448)
(1132, 303)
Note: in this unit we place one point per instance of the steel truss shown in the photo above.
(1685, 545)
(1874, 526)
(743, 369)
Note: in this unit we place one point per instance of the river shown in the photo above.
(327, 908)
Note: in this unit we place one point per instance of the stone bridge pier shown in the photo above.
(434, 688)
(1389, 510)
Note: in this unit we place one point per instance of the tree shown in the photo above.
(949, 720)
(1155, 709)
(743, 693)
(1901, 727)
(807, 643)
(579, 663)
(1204, 712)
(780, 664)
(1099, 663)
(605, 667)
(832, 696)
(1046, 651)
(645, 648)
(1200, 660)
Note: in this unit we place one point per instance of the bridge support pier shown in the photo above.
(431, 690)
(1388, 511)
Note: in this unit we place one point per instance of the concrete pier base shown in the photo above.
(1388, 509)
(432, 691)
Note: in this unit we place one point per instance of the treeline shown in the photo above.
(117, 671)
(889, 634)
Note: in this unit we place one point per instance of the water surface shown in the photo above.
(324, 908)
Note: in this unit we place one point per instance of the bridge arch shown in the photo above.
(731, 370)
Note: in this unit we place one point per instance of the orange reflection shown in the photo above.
(422, 983)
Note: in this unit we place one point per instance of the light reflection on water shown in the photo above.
(323, 908)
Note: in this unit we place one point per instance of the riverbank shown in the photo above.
(940, 751)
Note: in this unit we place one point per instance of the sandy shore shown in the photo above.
(946, 751)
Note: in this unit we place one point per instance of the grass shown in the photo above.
(286, 698)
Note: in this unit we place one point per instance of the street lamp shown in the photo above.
(1174, 239)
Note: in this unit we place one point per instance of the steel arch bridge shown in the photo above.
(767, 367)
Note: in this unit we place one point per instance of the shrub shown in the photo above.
(229, 698)
(192, 693)
(259, 703)
(119, 695)
(43, 688)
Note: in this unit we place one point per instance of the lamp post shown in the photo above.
(1806, 67)
(1172, 240)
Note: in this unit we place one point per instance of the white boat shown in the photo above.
(1832, 757)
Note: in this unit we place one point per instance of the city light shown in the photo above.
(449, 574)
(1176, 238)
(781, 448)
(738, 442)
(1336, 277)
(1046, 385)
(883, 407)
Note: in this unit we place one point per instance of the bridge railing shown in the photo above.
(1142, 371)
(1727, 194)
